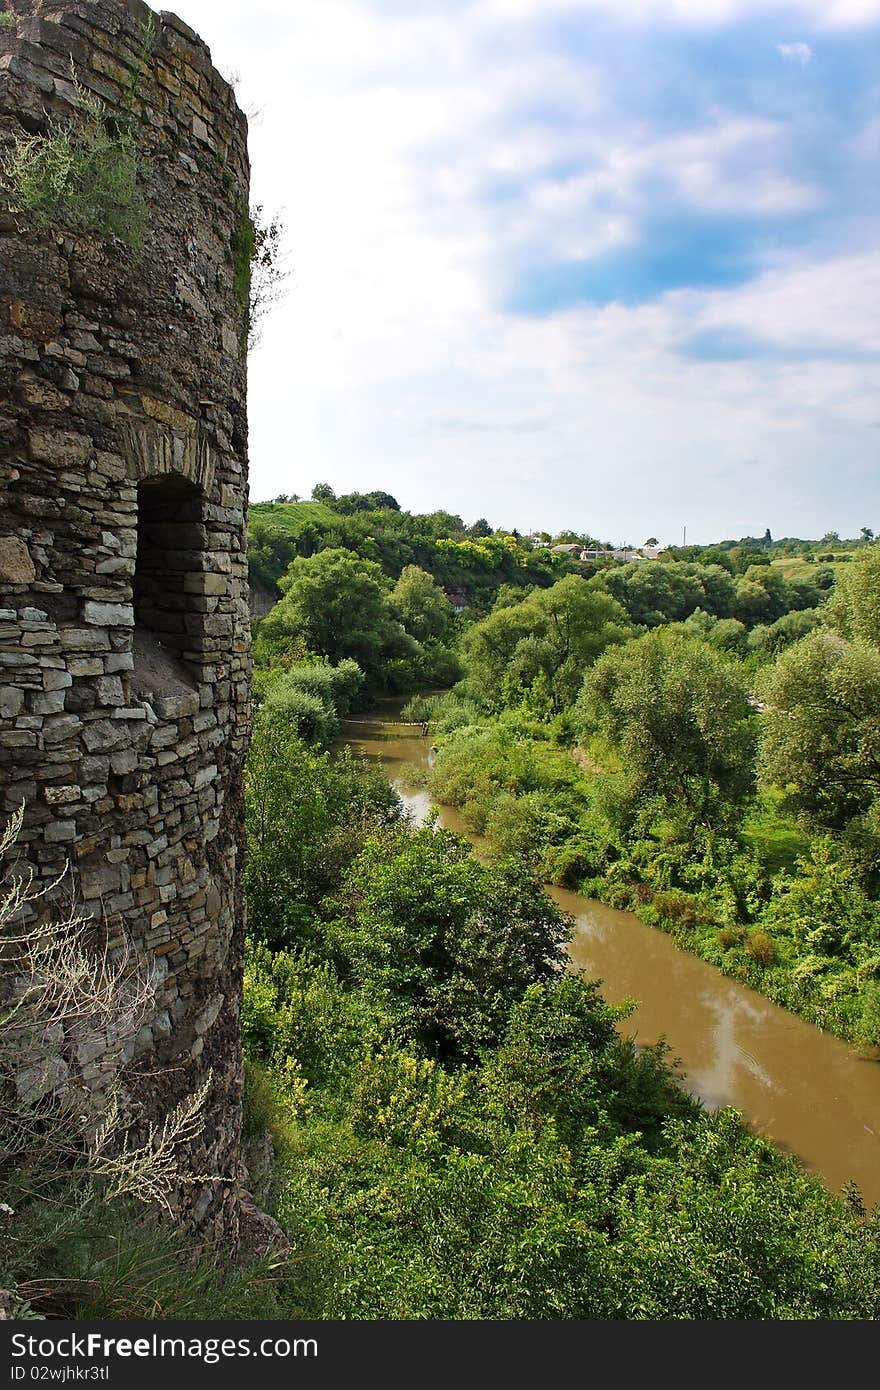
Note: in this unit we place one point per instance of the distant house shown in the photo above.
(458, 601)
(625, 554)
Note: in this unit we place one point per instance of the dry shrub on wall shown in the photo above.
(67, 1000)
(84, 176)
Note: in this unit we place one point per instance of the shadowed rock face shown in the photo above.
(124, 643)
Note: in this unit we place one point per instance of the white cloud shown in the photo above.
(415, 159)
(824, 14)
(799, 52)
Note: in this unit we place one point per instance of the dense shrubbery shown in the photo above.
(472, 560)
(461, 1132)
(307, 814)
(455, 1127)
(309, 697)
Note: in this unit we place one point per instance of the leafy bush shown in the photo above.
(304, 713)
(868, 1027)
(307, 817)
(442, 942)
(681, 909)
(335, 687)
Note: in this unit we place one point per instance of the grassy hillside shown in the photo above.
(291, 517)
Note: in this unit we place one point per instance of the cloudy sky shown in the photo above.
(606, 264)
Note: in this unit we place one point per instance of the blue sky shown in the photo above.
(578, 263)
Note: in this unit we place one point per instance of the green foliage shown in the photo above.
(82, 177)
(424, 609)
(769, 640)
(351, 502)
(868, 1027)
(679, 712)
(310, 698)
(302, 711)
(444, 942)
(373, 526)
(243, 245)
(854, 608)
(307, 815)
(460, 1129)
(825, 908)
(821, 735)
(562, 1175)
(340, 607)
(539, 649)
(495, 774)
(277, 533)
(445, 712)
(658, 591)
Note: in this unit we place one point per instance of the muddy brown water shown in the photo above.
(804, 1089)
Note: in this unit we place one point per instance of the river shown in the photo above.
(804, 1089)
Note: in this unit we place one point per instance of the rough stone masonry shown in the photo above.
(124, 640)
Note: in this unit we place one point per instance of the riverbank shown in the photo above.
(801, 1087)
(784, 912)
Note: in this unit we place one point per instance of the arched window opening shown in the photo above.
(170, 542)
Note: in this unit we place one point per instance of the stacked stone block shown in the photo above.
(124, 639)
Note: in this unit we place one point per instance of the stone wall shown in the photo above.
(123, 578)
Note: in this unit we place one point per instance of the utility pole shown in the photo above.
(684, 536)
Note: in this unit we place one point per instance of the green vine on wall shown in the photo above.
(256, 250)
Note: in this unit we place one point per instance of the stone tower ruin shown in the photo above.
(124, 639)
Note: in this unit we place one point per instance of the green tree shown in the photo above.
(340, 607)
(323, 492)
(660, 591)
(821, 735)
(270, 551)
(679, 711)
(425, 610)
(762, 595)
(854, 607)
(547, 641)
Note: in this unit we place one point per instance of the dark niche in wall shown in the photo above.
(170, 546)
